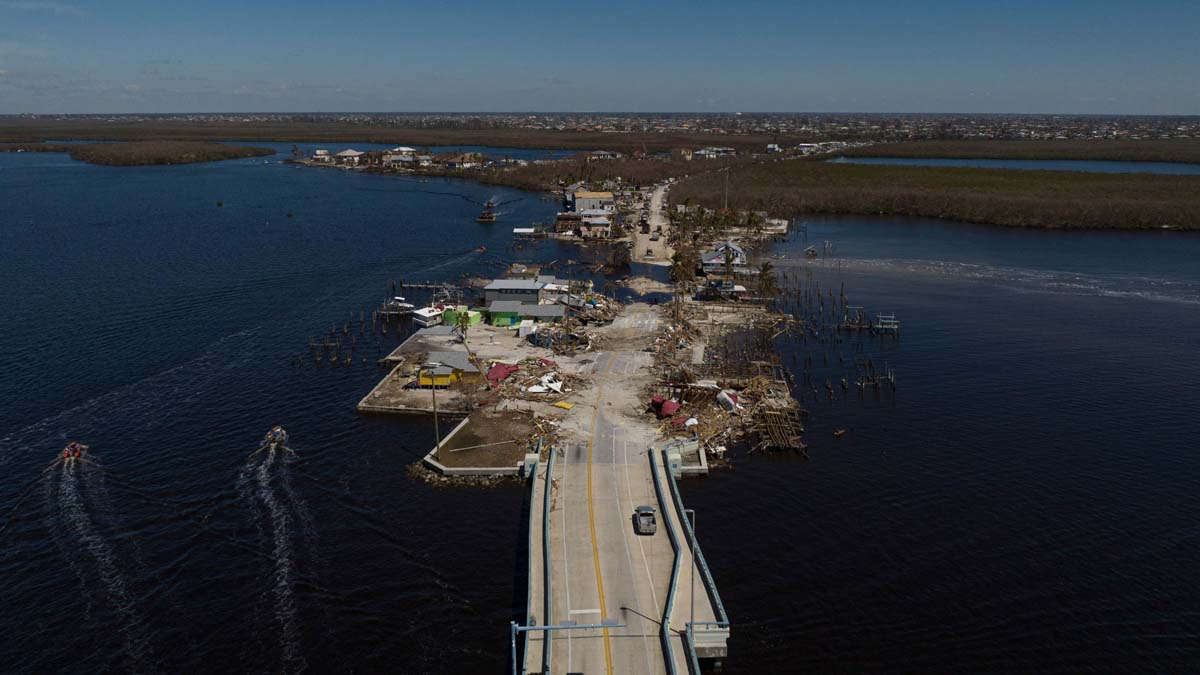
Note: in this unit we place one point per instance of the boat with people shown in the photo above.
(74, 450)
(275, 437)
(488, 215)
(397, 306)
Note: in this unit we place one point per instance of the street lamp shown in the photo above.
(433, 389)
(692, 513)
(515, 628)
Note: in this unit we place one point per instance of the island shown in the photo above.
(144, 153)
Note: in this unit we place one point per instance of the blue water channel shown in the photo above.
(1025, 500)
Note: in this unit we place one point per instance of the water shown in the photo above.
(1086, 165)
(1029, 498)
(158, 327)
(1027, 501)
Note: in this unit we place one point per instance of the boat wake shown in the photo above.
(1024, 279)
(265, 484)
(145, 405)
(74, 494)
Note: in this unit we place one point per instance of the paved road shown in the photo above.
(601, 570)
(657, 217)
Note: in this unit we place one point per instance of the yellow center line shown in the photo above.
(592, 519)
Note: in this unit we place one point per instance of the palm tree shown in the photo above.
(729, 261)
(767, 285)
(679, 267)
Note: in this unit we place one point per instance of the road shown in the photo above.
(657, 217)
(600, 569)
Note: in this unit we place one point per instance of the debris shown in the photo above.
(499, 372)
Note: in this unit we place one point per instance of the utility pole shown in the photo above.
(433, 389)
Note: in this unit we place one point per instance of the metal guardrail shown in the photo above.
(548, 599)
(529, 548)
(664, 632)
(710, 586)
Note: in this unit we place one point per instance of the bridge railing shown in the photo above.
(664, 632)
(710, 586)
(529, 584)
(548, 598)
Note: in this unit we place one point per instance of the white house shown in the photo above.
(397, 159)
(714, 260)
(322, 155)
(714, 152)
(349, 156)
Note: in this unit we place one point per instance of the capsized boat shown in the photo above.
(397, 306)
(74, 450)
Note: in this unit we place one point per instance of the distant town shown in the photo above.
(824, 126)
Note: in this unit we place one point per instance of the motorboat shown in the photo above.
(427, 316)
(397, 306)
(276, 437)
(74, 450)
(488, 215)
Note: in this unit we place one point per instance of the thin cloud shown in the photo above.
(56, 8)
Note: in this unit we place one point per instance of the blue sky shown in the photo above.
(1017, 56)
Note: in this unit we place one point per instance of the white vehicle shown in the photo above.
(644, 521)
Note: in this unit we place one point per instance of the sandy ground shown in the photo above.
(490, 430)
(644, 285)
(613, 376)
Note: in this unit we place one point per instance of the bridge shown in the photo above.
(603, 599)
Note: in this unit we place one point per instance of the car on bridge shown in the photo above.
(644, 520)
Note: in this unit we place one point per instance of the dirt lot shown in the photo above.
(486, 428)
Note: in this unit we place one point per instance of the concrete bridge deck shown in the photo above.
(600, 571)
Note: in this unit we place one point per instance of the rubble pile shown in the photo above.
(531, 379)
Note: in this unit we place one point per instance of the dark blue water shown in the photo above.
(1027, 500)
(1029, 497)
(1089, 166)
(145, 320)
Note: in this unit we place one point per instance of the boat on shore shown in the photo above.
(427, 316)
(397, 306)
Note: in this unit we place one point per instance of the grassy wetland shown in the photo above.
(1039, 199)
(143, 153)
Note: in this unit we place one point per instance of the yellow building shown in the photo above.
(451, 367)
